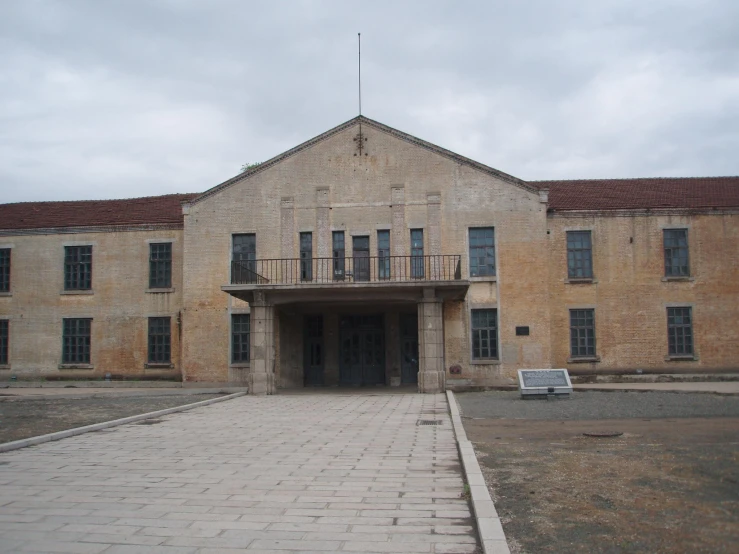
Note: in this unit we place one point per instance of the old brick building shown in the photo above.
(366, 256)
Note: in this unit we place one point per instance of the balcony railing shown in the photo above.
(355, 269)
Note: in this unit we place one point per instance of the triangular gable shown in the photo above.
(380, 127)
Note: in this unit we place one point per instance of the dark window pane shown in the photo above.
(582, 333)
(76, 341)
(4, 341)
(484, 334)
(160, 265)
(4, 269)
(77, 267)
(159, 340)
(383, 254)
(306, 256)
(240, 334)
(417, 259)
(579, 255)
(482, 252)
(676, 252)
(679, 331)
(339, 254)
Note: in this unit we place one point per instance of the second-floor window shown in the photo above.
(4, 269)
(77, 267)
(339, 255)
(579, 255)
(676, 253)
(160, 265)
(482, 252)
(383, 254)
(417, 260)
(243, 256)
(306, 256)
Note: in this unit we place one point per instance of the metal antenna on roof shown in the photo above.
(359, 42)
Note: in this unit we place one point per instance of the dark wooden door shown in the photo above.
(313, 358)
(409, 348)
(360, 249)
(362, 350)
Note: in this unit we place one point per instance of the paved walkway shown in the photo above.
(308, 473)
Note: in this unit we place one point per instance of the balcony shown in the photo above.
(362, 277)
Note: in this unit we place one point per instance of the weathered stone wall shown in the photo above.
(394, 185)
(630, 294)
(119, 304)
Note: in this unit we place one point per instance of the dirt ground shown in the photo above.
(21, 418)
(666, 485)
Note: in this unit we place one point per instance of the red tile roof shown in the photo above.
(151, 210)
(640, 194)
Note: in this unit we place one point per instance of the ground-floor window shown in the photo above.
(240, 331)
(485, 334)
(160, 340)
(4, 325)
(680, 331)
(76, 341)
(582, 333)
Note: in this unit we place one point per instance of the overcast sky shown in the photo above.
(123, 98)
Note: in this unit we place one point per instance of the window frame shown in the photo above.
(581, 333)
(418, 269)
(579, 256)
(383, 255)
(491, 336)
(5, 264)
(4, 342)
(672, 250)
(676, 331)
(338, 251)
(78, 267)
(76, 341)
(305, 239)
(482, 251)
(240, 355)
(160, 265)
(159, 341)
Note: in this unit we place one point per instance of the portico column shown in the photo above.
(431, 374)
(261, 377)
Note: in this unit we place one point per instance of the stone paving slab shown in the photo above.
(300, 473)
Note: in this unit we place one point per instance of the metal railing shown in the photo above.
(355, 269)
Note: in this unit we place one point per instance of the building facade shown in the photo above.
(366, 256)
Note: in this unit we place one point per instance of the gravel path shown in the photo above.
(586, 405)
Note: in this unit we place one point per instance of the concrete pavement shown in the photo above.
(722, 387)
(308, 473)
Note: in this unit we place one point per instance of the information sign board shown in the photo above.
(544, 382)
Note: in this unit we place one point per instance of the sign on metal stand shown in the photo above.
(544, 383)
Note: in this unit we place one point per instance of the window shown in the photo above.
(417, 266)
(4, 336)
(77, 267)
(76, 341)
(482, 252)
(4, 269)
(361, 255)
(579, 255)
(383, 254)
(339, 250)
(676, 253)
(582, 333)
(485, 334)
(243, 258)
(680, 331)
(160, 265)
(240, 330)
(306, 256)
(159, 340)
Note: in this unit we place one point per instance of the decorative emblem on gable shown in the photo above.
(360, 141)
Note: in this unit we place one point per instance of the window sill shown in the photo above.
(678, 278)
(160, 291)
(489, 361)
(685, 358)
(77, 292)
(583, 360)
(581, 280)
(5, 293)
(241, 365)
(484, 278)
(4, 366)
(165, 365)
(76, 366)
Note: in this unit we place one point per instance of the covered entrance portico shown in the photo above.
(347, 334)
